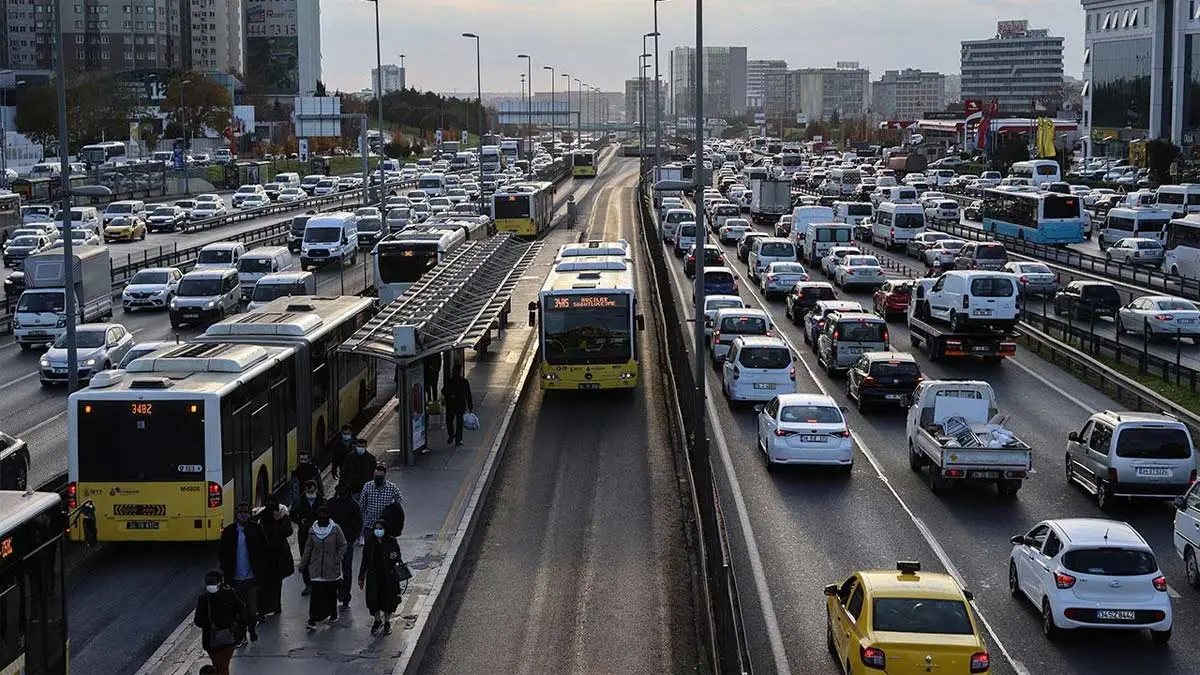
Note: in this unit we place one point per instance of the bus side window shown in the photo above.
(320, 377)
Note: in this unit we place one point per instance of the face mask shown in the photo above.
(323, 522)
(212, 588)
(345, 437)
(360, 450)
(243, 518)
(378, 481)
(379, 532)
(311, 494)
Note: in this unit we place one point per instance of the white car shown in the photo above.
(325, 186)
(254, 201)
(804, 429)
(1187, 533)
(781, 277)
(757, 368)
(292, 194)
(1160, 315)
(858, 270)
(150, 288)
(1090, 573)
(945, 209)
(831, 259)
(208, 206)
(714, 302)
(732, 230)
(931, 198)
(943, 252)
(245, 192)
(79, 237)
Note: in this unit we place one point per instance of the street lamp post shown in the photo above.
(187, 140)
(646, 106)
(529, 108)
(479, 102)
(642, 66)
(60, 85)
(379, 111)
(657, 88)
(553, 126)
(567, 77)
(579, 115)
(700, 440)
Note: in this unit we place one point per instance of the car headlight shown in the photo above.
(88, 363)
(44, 362)
(210, 304)
(174, 304)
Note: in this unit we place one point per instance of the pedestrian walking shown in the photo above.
(341, 450)
(458, 401)
(376, 496)
(305, 471)
(344, 511)
(322, 560)
(244, 558)
(356, 472)
(220, 615)
(278, 527)
(379, 577)
(304, 514)
(433, 371)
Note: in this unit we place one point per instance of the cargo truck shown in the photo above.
(769, 200)
(40, 316)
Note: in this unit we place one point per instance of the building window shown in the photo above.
(1107, 20)
(1125, 20)
(1087, 88)
(1133, 21)
(1087, 56)
(78, 39)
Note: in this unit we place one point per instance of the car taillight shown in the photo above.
(1192, 477)
(215, 496)
(1112, 476)
(892, 232)
(1024, 279)
(885, 335)
(980, 662)
(1063, 580)
(837, 335)
(737, 372)
(792, 373)
(783, 432)
(1160, 583)
(872, 657)
(716, 336)
(691, 258)
(72, 495)
(966, 302)
(1163, 317)
(840, 434)
(868, 380)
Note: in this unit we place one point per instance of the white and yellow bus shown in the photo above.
(524, 209)
(166, 448)
(583, 164)
(588, 329)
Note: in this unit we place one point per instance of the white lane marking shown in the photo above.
(1173, 593)
(12, 382)
(774, 635)
(39, 425)
(1059, 390)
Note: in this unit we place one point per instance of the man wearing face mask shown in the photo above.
(345, 512)
(305, 471)
(376, 496)
(341, 450)
(303, 514)
(220, 615)
(245, 559)
(322, 560)
(358, 468)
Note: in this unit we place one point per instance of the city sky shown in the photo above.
(599, 41)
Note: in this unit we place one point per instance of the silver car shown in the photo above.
(1136, 251)
(780, 277)
(1160, 315)
(1034, 278)
(141, 349)
(98, 345)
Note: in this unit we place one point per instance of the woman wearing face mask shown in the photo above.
(377, 576)
(220, 614)
(322, 560)
(280, 564)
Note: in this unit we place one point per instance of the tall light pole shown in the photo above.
(379, 110)
(645, 93)
(529, 104)
(187, 140)
(479, 102)
(60, 85)
(700, 440)
(657, 88)
(642, 66)
(567, 77)
(553, 127)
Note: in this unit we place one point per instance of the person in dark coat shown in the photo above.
(457, 394)
(305, 471)
(303, 514)
(277, 526)
(433, 370)
(358, 469)
(378, 576)
(344, 511)
(220, 615)
(245, 559)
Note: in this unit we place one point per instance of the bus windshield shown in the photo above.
(512, 206)
(159, 441)
(587, 329)
(406, 263)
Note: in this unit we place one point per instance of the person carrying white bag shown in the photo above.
(457, 396)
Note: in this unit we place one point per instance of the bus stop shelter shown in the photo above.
(454, 306)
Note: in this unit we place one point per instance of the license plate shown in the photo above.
(985, 474)
(589, 385)
(1153, 471)
(1116, 614)
(983, 312)
(1187, 321)
(764, 385)
(191, 316)
(894, 397)
(141, 525)
(38, 333)
(856, 350)
(812, 439)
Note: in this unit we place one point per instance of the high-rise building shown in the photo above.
(822, 93)
(101, 36)
(214, 32)
(723, 79)
(907, 94)
(1020, 68)
(283, 47)
(393, 78)
(633, 99)
(765, 85)
(953, 89)
(1125, 96)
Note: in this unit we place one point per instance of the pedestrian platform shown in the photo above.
(442, 492)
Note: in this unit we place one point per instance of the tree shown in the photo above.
(97, 107)
(206, 104)
(835, 119)
(397, 149)
(1010, 148)
(37, 114)
(1160, 155)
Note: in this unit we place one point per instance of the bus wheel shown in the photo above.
(261, 487)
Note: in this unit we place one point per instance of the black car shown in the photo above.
(883, 378)
(713, 257)
(1084, 299)
(804, 295)
(744, 244)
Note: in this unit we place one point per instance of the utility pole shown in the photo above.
(60, 77)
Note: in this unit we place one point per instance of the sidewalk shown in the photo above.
(441, 494)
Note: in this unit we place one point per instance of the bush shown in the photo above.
(397, 149)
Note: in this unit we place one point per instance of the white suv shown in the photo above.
(960, 298)
(1090, 573)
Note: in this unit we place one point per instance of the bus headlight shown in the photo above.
(550, 376)
(628, 376)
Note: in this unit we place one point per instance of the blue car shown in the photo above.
(719, 281)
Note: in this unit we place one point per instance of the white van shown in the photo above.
(1037, 171)
(803, 215)
(260, 262)
(287, 179)
(432, 184)
(329, 237)
(897, 194)
(757, 368)
(896, 224)
(688, 235)
(820, 237)
(123, 208)
(82, 217)
(766, 250)
(842, 182)
(281, 284)
(852, 213)
(962, 298)
(941, 177)
(671, 221)
(219, 255)
(1120, 223)
(1179, 199)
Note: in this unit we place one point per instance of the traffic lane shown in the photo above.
(1041, 415)
(580, 563)
(812, 527)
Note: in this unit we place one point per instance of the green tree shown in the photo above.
(200, 104)
(97, 107)
(37, 114)
(397, 149)
(1160, 155)
(1010, 148)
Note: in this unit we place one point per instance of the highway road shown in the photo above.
(795, 531)
(580, 564)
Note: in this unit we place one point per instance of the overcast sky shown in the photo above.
(599, 40)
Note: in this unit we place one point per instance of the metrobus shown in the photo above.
(583, 164)
(1038, 171)
(166, 448)
(33, 606)
(98, 153)
(1183, 247)
(587, 335)
(10, 214)
(402, 259)
(1039, 217)
(524, 209)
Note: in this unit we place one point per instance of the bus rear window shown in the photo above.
(1060, 207)
(157, 440)
(515, 206)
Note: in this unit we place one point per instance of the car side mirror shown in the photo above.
(1073, 437)
(759, 408)
(831, 590)
(968, 595)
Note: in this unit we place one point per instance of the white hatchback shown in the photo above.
(1090, 573)
(807, 429)
(757, 368)
(712, 303)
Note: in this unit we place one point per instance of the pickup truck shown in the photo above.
(952, 431)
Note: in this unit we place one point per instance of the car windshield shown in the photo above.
(1113, 562)
(834, 234)
(905, 369)
(1148, 245)
(1177, 304)
(909, 221)
(254, 265)
(921, 615)
(322, 235)
(148, 277)
(370, 224)
(1033, 268)
(164, 211)
(810, 414)
(861, 261)
(718, 277)
(119, 208)
(777, 249)
(23, 240)
(40, 302)
(215, 257)
(1154, 443)
(367, 211)
(951, 244)
(80, 235)
(991, 287)
(772, 358)
(87, 339)
(687, 231)
(201, 288)
(744, 325)
(722, 303)
(247, 190)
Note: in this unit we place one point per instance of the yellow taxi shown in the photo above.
(903, 622)
(125, 228)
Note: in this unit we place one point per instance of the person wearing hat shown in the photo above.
(322, 561)
(220, 614)
(377, 495)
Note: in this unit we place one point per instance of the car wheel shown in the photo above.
(1108, 256)
(1049, 629)
(937, 484)
(1104, 498)
(1128, 260)
(1014, 584)
(1160, 637)
(829, 643)
(955, 322)
(1191, 568)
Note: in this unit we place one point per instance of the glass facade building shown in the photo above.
(724, 78)
(1120, 83)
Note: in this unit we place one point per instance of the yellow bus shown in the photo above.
(587, 335)
(524, 209)
(168, 447)
(33, 588)
(583, 164)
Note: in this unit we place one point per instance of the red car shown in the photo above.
(892, 298)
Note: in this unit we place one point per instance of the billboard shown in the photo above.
(1012, 28)
(272, 46)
